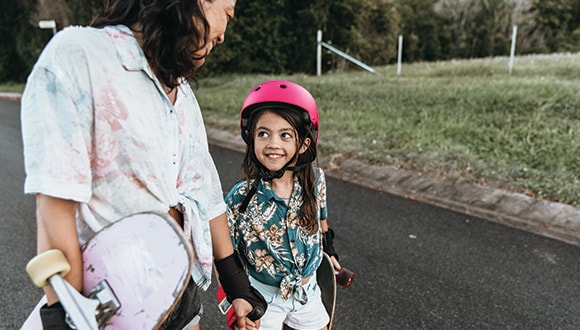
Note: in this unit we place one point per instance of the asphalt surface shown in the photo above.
(418, 266)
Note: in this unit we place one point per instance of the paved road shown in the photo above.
(417, 266)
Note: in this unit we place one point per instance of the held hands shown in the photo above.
(242, 309)
(249, 305)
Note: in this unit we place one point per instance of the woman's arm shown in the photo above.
(56, 229)
(221, 239)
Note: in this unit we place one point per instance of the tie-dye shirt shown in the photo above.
(278, 252)
(99, 129)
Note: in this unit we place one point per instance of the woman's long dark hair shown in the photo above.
(308, 218)
(168, 31)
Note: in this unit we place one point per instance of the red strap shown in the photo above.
(225, 307)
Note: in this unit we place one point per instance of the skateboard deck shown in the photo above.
(139, 267)
(326, 278)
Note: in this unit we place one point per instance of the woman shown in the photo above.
(111, 127)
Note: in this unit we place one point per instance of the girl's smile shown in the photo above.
(274, 141)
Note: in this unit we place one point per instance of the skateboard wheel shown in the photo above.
(344, 278)
(45, 265)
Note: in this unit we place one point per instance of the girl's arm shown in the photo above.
(56, 229)
(327, 243)
(229, 270)
(324, 226)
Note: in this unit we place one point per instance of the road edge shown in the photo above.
(549, 219)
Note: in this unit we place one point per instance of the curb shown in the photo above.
(554, 220)
(550, 219)
(10, 96)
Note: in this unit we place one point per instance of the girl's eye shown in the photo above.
(262, 134)
(286, 135)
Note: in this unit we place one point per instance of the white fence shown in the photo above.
(321, 44)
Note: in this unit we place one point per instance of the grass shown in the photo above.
(465, 120)
(11, 88)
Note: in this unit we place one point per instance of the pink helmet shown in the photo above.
(279, 93)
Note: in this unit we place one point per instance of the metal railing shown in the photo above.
(321, 44)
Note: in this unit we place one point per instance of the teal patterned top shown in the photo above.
(275, 249)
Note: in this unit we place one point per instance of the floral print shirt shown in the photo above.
(275, 249)
(99, 129)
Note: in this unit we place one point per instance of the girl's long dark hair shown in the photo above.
(168, 31)
(308, 218)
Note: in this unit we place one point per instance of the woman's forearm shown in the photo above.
(221, 239)
(56, 229)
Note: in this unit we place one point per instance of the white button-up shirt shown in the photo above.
(99, 129)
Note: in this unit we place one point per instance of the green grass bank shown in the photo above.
(465, 120)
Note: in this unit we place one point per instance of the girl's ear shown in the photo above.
(304, 146)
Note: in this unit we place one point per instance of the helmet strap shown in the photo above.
(265, 175)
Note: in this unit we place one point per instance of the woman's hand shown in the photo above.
(242, 308)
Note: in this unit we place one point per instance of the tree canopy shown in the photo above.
(279, 36)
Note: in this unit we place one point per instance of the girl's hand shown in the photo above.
(344, 277)
(335, 263)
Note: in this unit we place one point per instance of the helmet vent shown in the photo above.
(258, 88)
(283, 86)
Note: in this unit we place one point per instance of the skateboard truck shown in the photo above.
(108, 302)
(78, 308)
(50, 267)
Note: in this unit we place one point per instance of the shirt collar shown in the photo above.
(268, 191)
(269, 194)
(128, 49)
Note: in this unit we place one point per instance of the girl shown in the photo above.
(277, 216)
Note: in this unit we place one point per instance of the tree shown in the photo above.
(366, 30)
(478, 28)
(491, 28)
(280, 36)
(21, 40)
(557, 20)
(420, 30)
(380, 29)
(20, 43)
(256, 40)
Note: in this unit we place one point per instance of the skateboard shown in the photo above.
(326, 279)
(135, 271)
